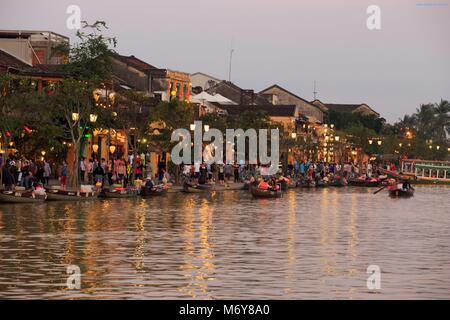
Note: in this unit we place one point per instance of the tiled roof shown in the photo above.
(343, 107)
(231, 91)
(269, 109)
(135, 63)
(7, 60)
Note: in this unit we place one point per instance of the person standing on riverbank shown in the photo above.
(82, 169)
(2, 163)
(90, 171)
(47, 173)
(63, 176)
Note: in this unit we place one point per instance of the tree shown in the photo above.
(169, 116)
(73, 100)
(132, 116)
(442, 120)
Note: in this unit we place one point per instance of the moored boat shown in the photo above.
(153, 192)
(307, 184)
(321, 184)
(63, 195)
(196, 188)
(260, 193)
(20, 197)
(338, 183)
(117, 193)
(420, 171)
(364, 183)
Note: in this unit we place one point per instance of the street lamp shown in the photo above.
(93, 118)
(438, 147)
(294, 135)
(206, 127)
(370, 141)
(192, 126)
(75, 116)
(380, 142)
(43, 153)
(337, 138)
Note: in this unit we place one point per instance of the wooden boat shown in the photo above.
(196, 188)
(20, 197)
(337, 183)
(153, 192)
(395, 192)
(364, 183)
(63, 195)
(259, 193)
(287, 183)
(307, 184)
(420, 171)
(117, 193)
(321, 184)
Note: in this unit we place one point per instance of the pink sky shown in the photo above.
(291, 43)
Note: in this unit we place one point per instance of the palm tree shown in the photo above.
(442, 120)
(425, 117)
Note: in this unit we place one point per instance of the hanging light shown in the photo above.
(43, 152)
(75, 116)
(438, 147)
(193, 127)
(112, 149)
(370, 141)
(93, 118)
(294, 135)
(337, 138)
(379, 142)
(206, 127)
(400, 145)
(95, 148)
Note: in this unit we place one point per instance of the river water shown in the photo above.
(309, 244)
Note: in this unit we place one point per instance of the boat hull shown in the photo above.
(364, 183)
(399, 193)
(145, 193)
(19, 197)
(190, 188)
(258, 193)
(117, 194)
(59, 195)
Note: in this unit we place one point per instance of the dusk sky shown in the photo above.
(291, 43)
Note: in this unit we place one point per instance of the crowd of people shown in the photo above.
(307, 170)
(25, 173)
(29, 173)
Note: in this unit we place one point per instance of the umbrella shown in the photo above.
(202, 97)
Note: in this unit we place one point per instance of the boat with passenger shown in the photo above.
(401, 189)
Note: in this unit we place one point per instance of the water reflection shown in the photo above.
(309, 244)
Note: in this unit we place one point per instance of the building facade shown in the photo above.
(279, 96)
